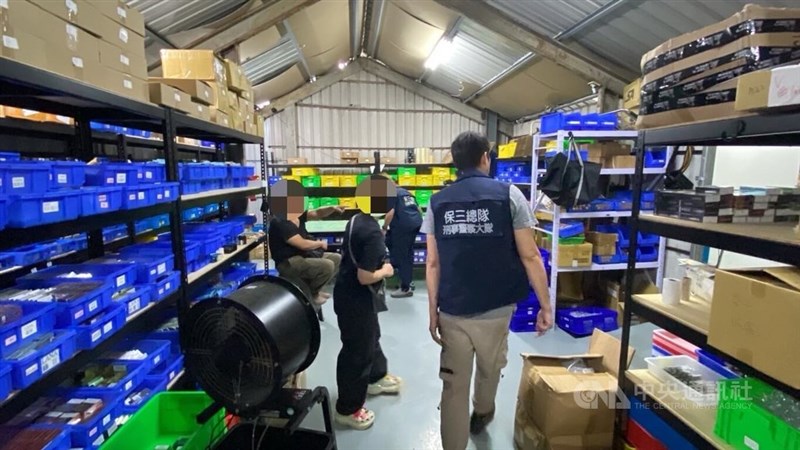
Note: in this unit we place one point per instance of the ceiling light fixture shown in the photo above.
(342, 65)
(263, 104)
(441, 53)
(313, 79)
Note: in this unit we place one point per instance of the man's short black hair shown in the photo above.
(467, 150)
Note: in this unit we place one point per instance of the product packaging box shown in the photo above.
(115, 58)
(119, 35)
(220, 94)
(200, 111)
(164, 95)
(123, 84)
(527, 436)
(200, 91)
(604, 244)
(250, 128)
(201, 65)
(237, 81)
(259, 119)
(120, 12)
(19, 40)
(609, 153)
(754, 316)
(775, 88)
(220, 118)
(293, 161)
(632, 95)
(77, 12)
(572, 410)
(579, 255)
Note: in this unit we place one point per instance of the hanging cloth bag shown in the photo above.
(571, 181)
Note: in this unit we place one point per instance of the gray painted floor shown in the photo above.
(411, 420)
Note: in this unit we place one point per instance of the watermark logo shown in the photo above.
(595, 395)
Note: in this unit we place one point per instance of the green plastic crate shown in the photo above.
(313, 203)
(406, 171)
(423, 196)
(312, 181)
(362, 177)
(743, 423)
(164, 419)
(328, 201)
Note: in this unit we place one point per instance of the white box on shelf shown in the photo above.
(658, 368)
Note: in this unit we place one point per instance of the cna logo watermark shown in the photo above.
(675, 395)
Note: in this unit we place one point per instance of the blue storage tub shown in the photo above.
(551, 123)
(29, 369)
(135, 373)
(71, 313)
(116, 275)
(5, 381)
(37, 319)
(149, 268)
(61, 442)
(153, 385)
(31, 254)
(3, 211)
(98, 329)
(609, 259)
(573, 121)
(191, 187)
(134, 299)
(274, 179)
(647, 239)
(209, 243)
(6, 261)
(9, 156)
(211, 185)
(580, 321)
(152, 172)
(114, 233)
(647, 254)
(167, 370)
(715, 363)
(193, 213)
(162, 247)
(140, 226)
(112, 174)
(140, 196)
(91, 434)
(162, 288)
(211, 208)
(522, 324)
(607, 121)
(567, 229)
(98, 200)
(156, 351)
(67, 174)
(649, 420)
(172, 336)
(590, 121)
(167, 192)
(657, 351)
(656, 157)
(622, 233)
(24, 177)
(30, 210)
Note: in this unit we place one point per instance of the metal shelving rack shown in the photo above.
(777, 242)
(32, 88)
(557, 215)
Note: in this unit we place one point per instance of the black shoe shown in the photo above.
(477, 423)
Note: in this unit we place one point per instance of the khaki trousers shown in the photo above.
(483, 342)
(315, 272)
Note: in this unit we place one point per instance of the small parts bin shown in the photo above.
(24, 177)
(98, 200)
(695, 382)
(55, 349)
(29, 210)
(581, 321)
(112, 174)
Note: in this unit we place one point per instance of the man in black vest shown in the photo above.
(482, 258)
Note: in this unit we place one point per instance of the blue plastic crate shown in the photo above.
(31, 254)
(6, 261)
(24, 177)
(274, 179)
(167, 192)
(647, 253)
(172, 336)
(194, 171)
(567, 229)
(167, 370)
(622, 236)
(573, 121)
(140, 196)
(161, 221)
(134, 299)
(650, 421)
(38, 209)
(114, 233)
(91, 434)
(69, 244)
(647, 239)
(112, 174)
(209, 242)
(211, 185)
(118, 276)
(191, 187)
(551, 123)
(580, 321)
(656, 157)
(193, 213)
(135, 373)
(3, 211)
(153, 385)
(608, 259)
(5, 381)
(156, 351)
(217, 171)
(60, 442)
(162, 288)
(211, 208)
(9, 156)
(67, 174)
(657, 351)
(194, 266)
(98, 200)
(522, 325)
(163, 247)
(99, 328)
(152, 172)
(73, 312)
(37, 319)
(590, 121)
(29, 369)
(140, 226)
(607, 121)
(149, 268)
(715, 363)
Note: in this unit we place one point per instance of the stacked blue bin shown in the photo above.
(554, 122)
(206, 176)
(513, 172)
(582, 320)
(646, 250)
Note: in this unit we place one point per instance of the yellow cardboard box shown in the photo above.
(193, 65)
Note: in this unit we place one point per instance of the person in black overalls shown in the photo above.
(482, 258)
(403, 223)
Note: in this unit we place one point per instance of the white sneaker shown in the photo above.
(402, 294)
(359, 420)
(389, 384)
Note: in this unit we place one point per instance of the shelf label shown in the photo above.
(125, 60)
(10, 340)
(102, 198)
(129, 385)
(50, 360)
(93, 431)
(148, 175)
(156, 360)
(159, 196)
(71, 6)
(168, 286)
(97, 335)
(50, 207)
(17, 182)
(127, 84)
(106, 419)
(121, 280)
(78, 314)
(750, 443)
(122, 178)
(107, 328)
(29, 329)
(162, 268)
(103, 205)
(177, 97)
(161, 292)
(140, 194)
(92, 306)
(171, 375)
(77, 62)
(10, 42)
(134, 305)
(167, 194)
(72, 32)
(132, 196)
(62, 178)
(123, 35)
(31, 369)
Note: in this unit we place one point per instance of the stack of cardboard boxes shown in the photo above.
(100, 42)
(747, 204)
(201, 84)
(611, 155)
(694, 77)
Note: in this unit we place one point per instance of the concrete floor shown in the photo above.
(410, 421)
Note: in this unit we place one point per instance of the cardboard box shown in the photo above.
(693, 114)
(221, 118)
(25, 114)
(349, 154)
(200, 111)
(366, 160)
(237, 121)
(579, 255)
(123, 84)
(754, 317)
(77, 12)
(220, 94)
(573, 410)
(527, 436)
(193, 65)
(632, 95)
(121, 36)
(237, 81)
(233, 101)
(70, 50)
(260, 124)
(774, 88)
(115, 58)
(604, 244)
(19, 42)
(604, 153)
(251, 128)
(199, 91)
(293, 161)
(164, 95)
(623, 162)
(120, 12)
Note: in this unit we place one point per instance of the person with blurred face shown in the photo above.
(401, 227)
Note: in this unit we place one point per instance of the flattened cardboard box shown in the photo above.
(200, 91)
(76, 12)
(573, 411)
(70, 50)
(123, 84)
(118, 59)
(120, 12)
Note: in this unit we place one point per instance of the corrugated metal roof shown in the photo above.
(478, 55)
(551, 16)
(272, 62)
(167, 17)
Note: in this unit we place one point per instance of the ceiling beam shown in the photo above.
(449, 34)
(356, 10)
(286, 30)
(420, 89)
(487, 16)
(309, 89)
(373, 28)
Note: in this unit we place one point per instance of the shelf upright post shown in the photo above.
(536, 142)
(175, 222)
(85, 152)
(219, 155)
(265, 201)
(556, 233)
(122, 147)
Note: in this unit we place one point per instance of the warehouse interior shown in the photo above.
(160, 287)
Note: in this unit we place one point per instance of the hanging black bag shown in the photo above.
(571, 181)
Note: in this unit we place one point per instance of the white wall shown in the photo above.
(365, 113)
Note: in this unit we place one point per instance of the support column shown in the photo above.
(291, 132)
(491, 125)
